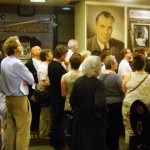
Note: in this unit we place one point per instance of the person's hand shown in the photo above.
(24, 83)
(66, 62)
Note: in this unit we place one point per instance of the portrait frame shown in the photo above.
(134, 35)
(26, 51)
(141, 35)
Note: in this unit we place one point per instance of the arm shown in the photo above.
(42, 77)
(44, 83)
(63, 86)
(23, 71)
(66, 62)
(125, 80)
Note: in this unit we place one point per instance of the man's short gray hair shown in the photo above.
(72, 42)
(109, 61)
(91, 66)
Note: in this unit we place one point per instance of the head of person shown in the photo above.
(36, 51)
(110, 62)
(91, 66)
(139, 62)
(104, 54)
(75, 61)
(73, 45)
(46, 55)
(60, 52)
(12, 46)
(104, 26)
(85, 54)
(127, 54)
(96, 53)
(141, 51)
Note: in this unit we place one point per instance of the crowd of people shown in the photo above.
(89, 96)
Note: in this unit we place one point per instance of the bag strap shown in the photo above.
(105, 76)
(139, 83)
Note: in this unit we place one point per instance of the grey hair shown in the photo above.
(109, 61)
(72, 42)
(91, 66)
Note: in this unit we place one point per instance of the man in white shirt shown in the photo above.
(73, 47)
(124, 66)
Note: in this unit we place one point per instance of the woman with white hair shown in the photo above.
(114, 99)
(89, 105)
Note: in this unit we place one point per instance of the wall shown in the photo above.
(66, 25)
(80, 25)
(43, 30)
(82, 13)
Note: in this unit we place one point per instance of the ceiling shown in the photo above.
(72, 2)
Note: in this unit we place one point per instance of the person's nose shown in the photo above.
(106, 30)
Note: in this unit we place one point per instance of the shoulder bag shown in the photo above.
(42, 97)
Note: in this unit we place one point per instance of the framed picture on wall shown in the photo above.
(103, 31)
(141, 35)
(26, 51)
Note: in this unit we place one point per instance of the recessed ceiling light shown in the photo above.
(66, 8)
(40, 1)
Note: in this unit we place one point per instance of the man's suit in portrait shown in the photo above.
(114, 45)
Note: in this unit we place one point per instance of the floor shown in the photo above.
(43, 144)
(37, 143)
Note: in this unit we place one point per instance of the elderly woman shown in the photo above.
(89, 105)
(136, 85)
(114, 98)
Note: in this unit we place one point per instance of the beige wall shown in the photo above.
(80, 25)
(81, 20)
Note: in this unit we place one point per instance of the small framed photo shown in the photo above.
(26, 51)
(141, 35)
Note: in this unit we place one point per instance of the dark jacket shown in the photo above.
(88, 102)
(115, 46)
(32, 69)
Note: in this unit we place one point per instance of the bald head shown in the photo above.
(36, 52)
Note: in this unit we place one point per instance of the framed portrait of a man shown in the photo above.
(105, 29)
(141, 35)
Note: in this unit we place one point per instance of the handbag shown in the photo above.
(42, 97)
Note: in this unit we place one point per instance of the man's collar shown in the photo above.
(102, 46)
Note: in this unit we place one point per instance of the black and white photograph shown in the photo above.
(141, 35)
(26, 51)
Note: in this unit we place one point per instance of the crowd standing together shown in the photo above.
(89, 94)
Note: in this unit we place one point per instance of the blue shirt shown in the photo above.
(113, 87)
(13, 72)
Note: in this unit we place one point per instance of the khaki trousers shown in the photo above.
(45, 121)
(126, 120)
(18, 123)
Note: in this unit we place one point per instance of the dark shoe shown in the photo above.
(57, 144)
